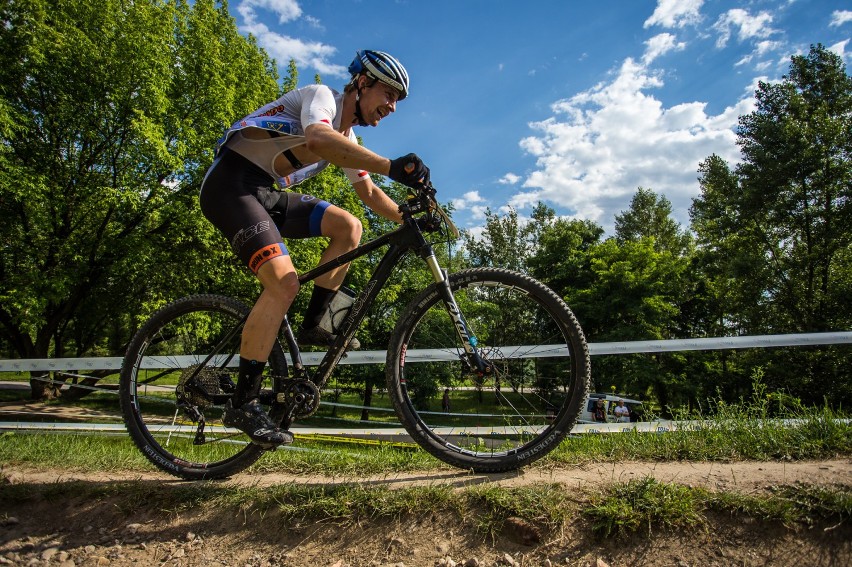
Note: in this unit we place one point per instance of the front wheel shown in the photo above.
(522, 408)
(177, 374)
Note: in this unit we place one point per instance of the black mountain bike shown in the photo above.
(500, 338)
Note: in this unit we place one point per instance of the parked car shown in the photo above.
(610, 401)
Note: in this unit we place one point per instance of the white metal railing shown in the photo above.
(378, 356)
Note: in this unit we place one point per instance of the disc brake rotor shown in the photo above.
(499, 365)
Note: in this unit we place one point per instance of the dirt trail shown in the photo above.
(111, 531)
(738, 476)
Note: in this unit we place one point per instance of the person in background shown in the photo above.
(600, 412)
(622, 413)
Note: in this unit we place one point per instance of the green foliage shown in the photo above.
(562, 258)
(108, 114)
(505, 242)
(649, 216)
(775, 234)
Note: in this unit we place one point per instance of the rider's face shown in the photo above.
(377, 102)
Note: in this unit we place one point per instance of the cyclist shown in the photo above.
(285, 142)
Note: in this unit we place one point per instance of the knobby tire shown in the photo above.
(170, 345)
(518, 413)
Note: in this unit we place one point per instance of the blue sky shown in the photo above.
(575, 104)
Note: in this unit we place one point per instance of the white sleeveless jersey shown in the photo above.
(288, 116)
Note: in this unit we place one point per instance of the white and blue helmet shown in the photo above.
(382, 67)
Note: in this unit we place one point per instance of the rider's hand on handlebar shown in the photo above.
(410, 171)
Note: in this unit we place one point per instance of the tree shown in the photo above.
(634, 295)
(796, 179)
(109, 111)
(561, 257)
(779, 228)
(650, 216)
(506, 242)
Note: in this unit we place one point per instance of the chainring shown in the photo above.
(303, 396)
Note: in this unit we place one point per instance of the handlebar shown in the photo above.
(423, 199)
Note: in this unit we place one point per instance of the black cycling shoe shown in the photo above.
(253, 421)
(322, 338)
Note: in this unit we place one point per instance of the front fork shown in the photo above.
(477, 364)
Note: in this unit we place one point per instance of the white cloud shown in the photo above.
(283, 48)
(468, 202)
(840, 17)
(510, 179)
(745, 60)
(675, 13)
(601, 145)
(314, 23)
(744, 24)
(840, 49)
(287, 10)
(768, 46)
(761, 50)
(660, 45)
(477, 212)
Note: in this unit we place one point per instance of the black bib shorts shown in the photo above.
(240, 200)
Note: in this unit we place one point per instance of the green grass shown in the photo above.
(642, 506)
(745, 431)
(647, 504)
(820, 433)
(750, 430)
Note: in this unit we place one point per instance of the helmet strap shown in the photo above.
(359, 117)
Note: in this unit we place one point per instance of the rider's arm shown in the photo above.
(329, 144)
(377, 200)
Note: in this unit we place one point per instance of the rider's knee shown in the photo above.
(289, 285)
(348, 229)
(284, 286)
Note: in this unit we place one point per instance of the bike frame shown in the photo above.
(408, 237)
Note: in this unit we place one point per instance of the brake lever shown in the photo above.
(454, 231)
(433, 204)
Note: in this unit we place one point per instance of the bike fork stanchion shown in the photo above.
(468, 339)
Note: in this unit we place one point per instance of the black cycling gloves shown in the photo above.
(410, 171)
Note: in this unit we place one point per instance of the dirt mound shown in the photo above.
(119, 530)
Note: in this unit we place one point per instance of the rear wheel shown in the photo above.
(518, 412)
(178, 372)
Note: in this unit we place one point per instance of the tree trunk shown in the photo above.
(368, 400)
